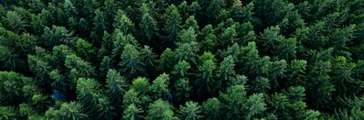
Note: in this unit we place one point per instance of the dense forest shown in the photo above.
(182, 60)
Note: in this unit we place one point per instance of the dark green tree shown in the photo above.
(9, 60)
(70, 111)
(191, 111)
(88, 91)
(105, 109)
(166, 60)
(172, 24)
(206, 78)
(211, 109)
(130, 62)
(320, 89)
(132, 113)
(160, 109)
(55, 36)
(233, 100)
(116, 87)
(159, 87)
(254, 106)
(149, 28)
(123, 23)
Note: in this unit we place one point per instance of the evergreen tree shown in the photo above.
(159, 88)
(166, 60)
(211, 108)
(71, 111)
(123, 23)
(160, 109)
(116, 87)
(130, 62)
(132, 113)
(172, 25)
(149, 28)
(88, 91)
(233, 100)
(190, 111)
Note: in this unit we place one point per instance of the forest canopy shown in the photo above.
(182, 60)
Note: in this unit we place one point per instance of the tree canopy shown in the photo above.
(181, 59)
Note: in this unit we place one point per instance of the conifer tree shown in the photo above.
(190, 111)
(116, 87)
(160, 109)
(130, 62)
(172, 24)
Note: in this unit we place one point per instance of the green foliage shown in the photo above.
(87, 90)
(159, 87)
(166, 60)
(254, 106)
(181, 59)
(116, 87)
(55, 36)
(70, 111)
(132, 113)
(191, 111)
(172, 24)
(10, 60)
(123, 23)
(160, 109)
(78, 67)
(7, 112)
(211, 108)
(148, 26)
(130, 62)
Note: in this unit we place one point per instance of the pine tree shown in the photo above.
(78, 68)
(166, 60)
(206, 78)
(228, 37)
(191, 22)
(277, 72)
(233, 100)
(123, 23)
(320, 89)
(270, 13)
(270, 39)
(245, 33)
(191, 111)
(172, 24)
(187, 52)
(10, 61)
(131, 97)
(149, 28)
(211, 108)
(15, 22)
(182, 90)
(71, 111)
(148, 58)
(214, 7)
(255, 105)
(120, 41)
(55, 36)
(116, 87)
(141, 85)
(130, 62)
(159, 88)
(160, 109)
(226, 73)
(88, 91)
(132, 113)
(105, 109)
(296, 72)
(85, 50)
